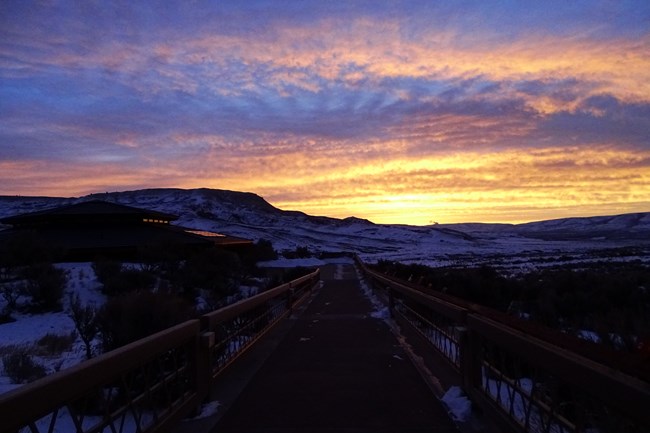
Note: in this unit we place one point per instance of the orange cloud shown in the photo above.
(342, 117)
(447, 187)
(482, 187)
(379, 50)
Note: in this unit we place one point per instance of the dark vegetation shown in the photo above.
(153, 292)
(45, 284)
(131, 316)
(298, 253)
(610, 301)
(162, 289)
(85, 318)
(26, 270)
(21, 367)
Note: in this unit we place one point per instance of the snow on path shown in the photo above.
(458, 404)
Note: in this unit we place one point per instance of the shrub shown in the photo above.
(132, 316)
(55, 344)
(5, 317)
(10, 292)
(106, 269)
(85, 322)
(262, 250)
(214, 270)
(45, 284)
(20, 367)
(298, 253)
(129, 280)
(162, 259)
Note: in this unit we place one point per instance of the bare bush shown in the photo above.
(106, 269)
(45, 284)
(55, 344)
(132, 316)
(20, 367)
(85, 322)
(216, 271)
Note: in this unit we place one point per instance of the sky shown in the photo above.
(396, 111)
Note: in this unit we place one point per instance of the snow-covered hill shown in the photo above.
(250, 216)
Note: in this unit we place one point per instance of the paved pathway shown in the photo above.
(337, 370)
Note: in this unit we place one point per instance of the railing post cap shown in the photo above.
(208, 339)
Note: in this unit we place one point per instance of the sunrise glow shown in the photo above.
(398, 111)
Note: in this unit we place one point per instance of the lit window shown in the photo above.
(206, 233)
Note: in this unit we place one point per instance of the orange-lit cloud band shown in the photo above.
(413, 114)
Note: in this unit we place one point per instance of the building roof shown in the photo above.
(97, 226)
(95, 210)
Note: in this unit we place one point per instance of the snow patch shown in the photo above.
(338, 273)
(380, 310)
(458, 404)
(382, 313)
(292, 263)
(29, 328)
(207, 410)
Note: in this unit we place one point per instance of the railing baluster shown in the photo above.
(528, 384)
(149, 384)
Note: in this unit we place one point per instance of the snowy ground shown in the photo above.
(28, 329)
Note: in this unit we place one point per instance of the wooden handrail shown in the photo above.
(453, 312)
(534, 345)
(35, 400)
(31, 402)
(628, 394)
(210, 320)
(626, 362)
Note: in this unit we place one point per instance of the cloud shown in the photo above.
(375, 100)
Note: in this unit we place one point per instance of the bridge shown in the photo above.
(343, 349)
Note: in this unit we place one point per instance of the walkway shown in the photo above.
(337, 370)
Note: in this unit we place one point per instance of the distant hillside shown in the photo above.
(627, 226)
(249, 216)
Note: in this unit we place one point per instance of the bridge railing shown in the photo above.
(525, 382)
(238, 326)
(537, 387)
(150, 384)
(131, 388)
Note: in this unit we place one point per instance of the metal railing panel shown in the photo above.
(526, 384)
(240, 325)
(447, 309)
(138, 387)
(543, 388)
(438, 321)
(147, 385)
(439, 330)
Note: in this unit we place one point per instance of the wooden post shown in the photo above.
(290, 299)
(204, 365)
(471, 361)
(465, 355)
